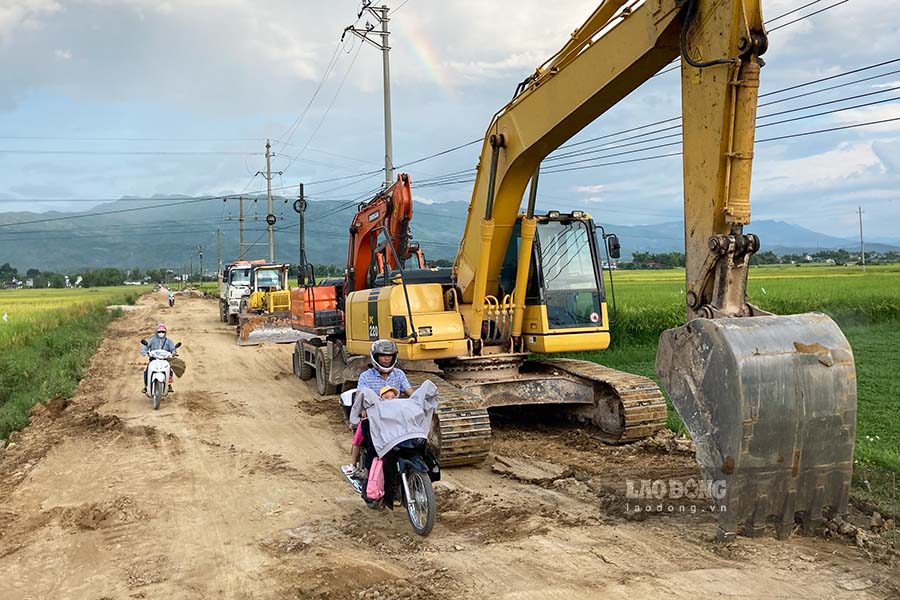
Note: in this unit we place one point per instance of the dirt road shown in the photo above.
(232, 490)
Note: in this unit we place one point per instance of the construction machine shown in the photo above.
(770, 401)
(265, 307)
(234, 280)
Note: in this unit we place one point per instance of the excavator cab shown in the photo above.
(565, 300)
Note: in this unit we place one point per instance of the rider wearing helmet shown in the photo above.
(384, 371)
(160, 341)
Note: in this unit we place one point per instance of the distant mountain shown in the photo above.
(153, 237)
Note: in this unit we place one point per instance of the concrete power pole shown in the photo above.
(218, 251)
(200, 251)
(381, 14)
(241, 226)
(862, 245)
(301, 208)
(270, 218)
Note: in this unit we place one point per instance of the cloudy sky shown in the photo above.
(105, 98)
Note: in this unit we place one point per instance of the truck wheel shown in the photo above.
(302, 369)
(323, 368)
(232, 319)
(223, 311)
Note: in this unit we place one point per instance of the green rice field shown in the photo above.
(865, 305)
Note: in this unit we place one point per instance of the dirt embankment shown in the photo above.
(232, 490)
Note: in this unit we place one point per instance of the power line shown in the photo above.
(124, 139)
(290, 131)
(798, 19)
(131, 152)
(675, 143)
(328, 109)
(393, 10)
(786, 89)
(758, 141)
(821, 10)
(111, 212)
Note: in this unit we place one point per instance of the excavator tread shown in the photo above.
(642, 402)
(464, 437)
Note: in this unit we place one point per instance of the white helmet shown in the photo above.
(386, 347)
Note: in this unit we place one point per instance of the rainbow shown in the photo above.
(411, 33)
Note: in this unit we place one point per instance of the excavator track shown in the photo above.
(642, 404)
(463, 432)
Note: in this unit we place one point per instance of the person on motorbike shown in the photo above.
(395, 430)
(160, 341)
(384, 370)
(171, 297)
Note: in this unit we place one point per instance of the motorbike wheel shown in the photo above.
(157, 393)
(421, 508)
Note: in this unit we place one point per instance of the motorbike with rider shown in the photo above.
(391, 439)
(160, 350)
(171, 298)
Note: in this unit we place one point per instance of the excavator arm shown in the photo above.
(380, 221)
(621, 46)
(769, 401)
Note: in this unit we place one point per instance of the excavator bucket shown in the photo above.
(267, 328)
(770, 402)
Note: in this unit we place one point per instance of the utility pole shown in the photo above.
(381, 14)
(218, 251)
(270, 216)
(200, 251)
(300, 207)
(862, 245)
(271, 224)
(241, 226)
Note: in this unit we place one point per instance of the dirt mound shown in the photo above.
(488, 520)
(100, 515)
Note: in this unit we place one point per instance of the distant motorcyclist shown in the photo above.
(160, 341)
(171, 298)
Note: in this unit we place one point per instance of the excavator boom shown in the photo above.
(770, 401)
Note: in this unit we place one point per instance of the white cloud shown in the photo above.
(62, 54)
(589, 189)
(17, 15)
(846, 161)
(868, 114)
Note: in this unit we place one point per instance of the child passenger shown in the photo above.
(355, 470)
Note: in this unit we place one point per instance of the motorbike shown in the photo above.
(416, 470)
(171, 301)
(159, 373)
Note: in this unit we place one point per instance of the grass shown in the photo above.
(866, 306)
(32, 312)
(47, 342)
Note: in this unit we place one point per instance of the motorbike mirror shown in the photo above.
(143, 342)
(612, 243)
(178, 345)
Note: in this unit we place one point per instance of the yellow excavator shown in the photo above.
(770, 401)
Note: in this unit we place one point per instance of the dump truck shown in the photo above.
(234, 285)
